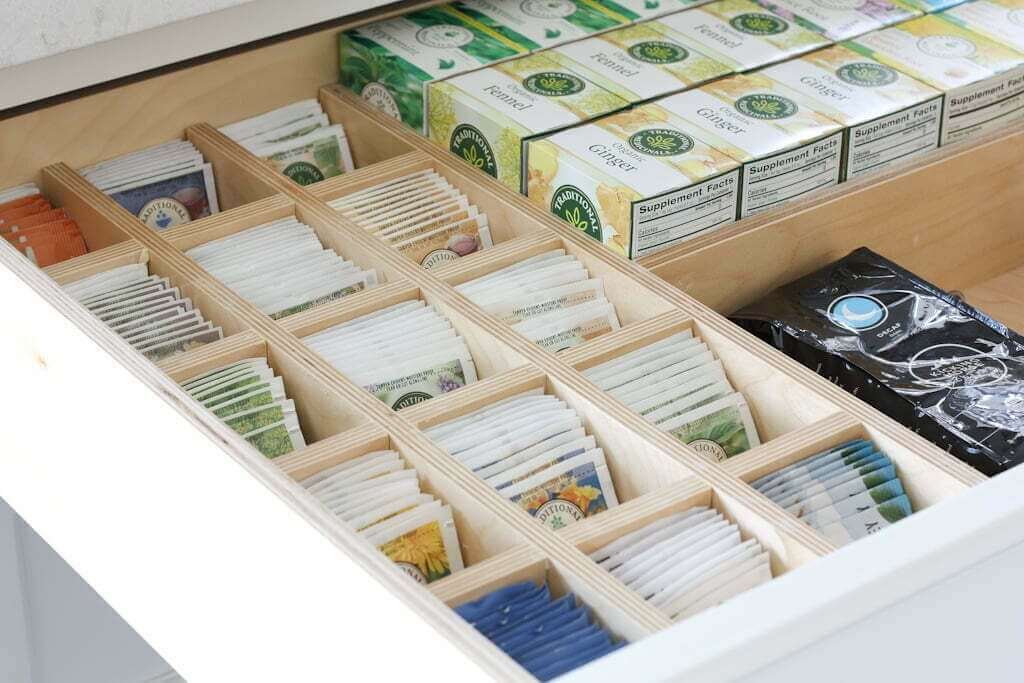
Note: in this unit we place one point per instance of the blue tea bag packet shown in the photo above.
(567, 665)
(526, 640)
(564, 604)
(499, 599)
(512, 613)
(568, 646)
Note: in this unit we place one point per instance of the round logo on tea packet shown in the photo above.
(444, 35)
(438, 257)
(547, 9)
(470, 144)
(953, 366)
(377, 95)
(658, 52)
(413, 571)
(857, 312)
(553, 83)
(557, 513)
(946, 47)
(410, 399)
(841, 4)
(572, 206)
(866, 74)
(766, 106)
(164, 213)
(758, 24)
(660, 142)
(303, 172)
(709, 448)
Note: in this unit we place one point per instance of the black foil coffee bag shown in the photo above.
(915, 352)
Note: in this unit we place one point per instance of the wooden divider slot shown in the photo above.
(369, 141)
(124, 253)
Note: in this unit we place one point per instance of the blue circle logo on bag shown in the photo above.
(658, 52)
(866, 74)
(553, 84)
(575, 208)
(857, 312)
(660, 142)
(766, 106)
(470, 144)
(758, 24)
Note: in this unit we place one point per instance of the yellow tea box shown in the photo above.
(539, 24)
(983, 80)
(389, 63)
(998, 20)
(889, 117)
(487, 117)
(842, 19)
(742, 34)
(641, 62)
(788, 148)
(639, 181)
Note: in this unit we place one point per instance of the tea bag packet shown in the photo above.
(403, 354)
(298, 140)
(420, 215)
(549, 298)
(846, 492)
(546, 636)
(145, 310)
(43, 234)
(250, 399)
(534, 450)
(381, 499)
(677, 384)
(163, 186)
(281, 268)
(686, 562)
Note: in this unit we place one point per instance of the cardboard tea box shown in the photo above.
(639, 181)
(787, 147)
(539, 24)
(842, 19)
(929, 6)
(889, 117)
(983, 80)
(998, 20)
(742, 34)
(640, 10)
(389, 63)
(641, 62)
(487, 117)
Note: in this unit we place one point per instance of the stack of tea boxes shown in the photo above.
(648, 122)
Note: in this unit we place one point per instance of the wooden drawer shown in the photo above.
(202, 509)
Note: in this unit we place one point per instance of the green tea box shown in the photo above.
(787, 147)
(742, 34)
(842, 19)
(389, 63)
(487, 117)
(641, 10)
(998, 20)
(983, 80)
(639, 181)
(641, 62)
(889, 117)
(539, 24)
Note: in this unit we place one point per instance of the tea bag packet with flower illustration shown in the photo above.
(549, 298)
(846, 493)
(403, 354)
(281, 268)
(420, 215)
(144, 310)
(163, 186)
(677, 384)
(545, 635)
(534, 450)
(686, 562)
(298, 140)
(251, 400)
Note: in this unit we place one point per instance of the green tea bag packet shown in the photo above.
(718, 430)
(741, 577)
(260, 395)
(425, 545)
(870, 489)
(868, 522)
(277, 439)
(198, 385)
(541, 24)
(998, 20)
(847, 458)
(837, 510)
(317, 155)
(567, 492)
(625, 542)
(869, 476)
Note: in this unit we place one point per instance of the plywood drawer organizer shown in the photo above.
(796, 412)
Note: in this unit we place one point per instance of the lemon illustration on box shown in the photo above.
(889, 117)
(983, 80)
(998, 20)
(787, 147)
(742, 34)
(390, 63)
(487, 117)
(641, 62)
(639, 181)
(841, 19)
(540, 24)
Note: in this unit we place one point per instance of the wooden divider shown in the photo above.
(797, 412)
